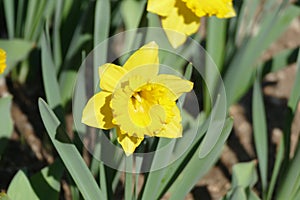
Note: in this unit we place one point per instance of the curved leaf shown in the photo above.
(70, 155)
(20, 188)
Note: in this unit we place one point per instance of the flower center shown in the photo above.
(136, 101)
(144, 99)
(142, 110)
(140, 104)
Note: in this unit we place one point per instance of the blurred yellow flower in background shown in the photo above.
(2, 60)
(137, 100)
(183, 16)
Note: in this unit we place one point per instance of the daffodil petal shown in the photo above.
(180, 23)
(128, 143)
(2, 61)
(97, 112)
(147, 55)
(175, 84)
(158, 118)
(219, 8)
(174, 128)
(141, 74)
(162, 8)
(110, 75)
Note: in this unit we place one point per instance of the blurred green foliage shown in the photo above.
(51, 38)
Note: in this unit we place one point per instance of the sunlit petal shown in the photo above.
(175, 84)
(146, 55)
(128, 143)
(180, 23)
(138, 76)
(174, 128)
(110, 75)
(160, 7)
(97, 113)
(219, 8)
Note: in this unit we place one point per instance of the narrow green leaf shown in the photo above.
(138, 166)
(16, 51)
(101, 33)
(57, 54)
(132, 12)
(102, 21)
(69, 155)
(29, 21)
(169, 56)
(128, 178)
(77, 41)
(9, 11)
(244, 175)
(188, 72)
(295, 94)
(215, 46)
(238, 194)
(291, 173)
(246, 20)
(103, 183)
(66, 85)
(67, 8)
(260, 132)
(154, 178)
(197, 167)
(94, 167)
(20, 16)
(293, 104)
(79, 99)
(39, 19)
(218, 116)
(20, 188)
(153, 20)
(239, 76)
(280, 60)
(79, 13)
(216, 37)
(171, 171)
(296, 188)
(74, 189)
(252, 195)
(276, 169)
(116, 180)
(297, 194)
(49, 78)
(34, 19)
(48, 11)
(289, 179)
(6, 122)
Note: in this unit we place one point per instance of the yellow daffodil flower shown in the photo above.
(136, 100)
(183, 16)
(2, 60)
